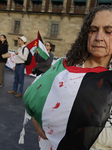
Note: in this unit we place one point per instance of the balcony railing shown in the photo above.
(3, 6)
(18, 7)
(79, 9)
(36, 8)
(52, 9)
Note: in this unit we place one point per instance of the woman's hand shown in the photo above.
(36, 51)
(16, 53)
(38, 129)
(13, 68)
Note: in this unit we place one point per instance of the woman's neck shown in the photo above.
(92, 62)
(22, 44)
(48, 51)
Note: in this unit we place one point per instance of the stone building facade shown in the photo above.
(58, 21)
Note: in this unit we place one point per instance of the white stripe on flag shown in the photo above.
(42, 46)
(32, 49)
(54, 121)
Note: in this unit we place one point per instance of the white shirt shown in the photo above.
(21, 57)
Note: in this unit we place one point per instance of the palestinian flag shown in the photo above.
(71, 104)
(41, 48)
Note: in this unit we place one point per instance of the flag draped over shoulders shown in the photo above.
(72, 104)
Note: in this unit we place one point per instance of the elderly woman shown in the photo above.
(71, 103)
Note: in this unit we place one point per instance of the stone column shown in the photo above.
(50, 6)
(43, 6)
(64, 6)
(31, 6)
(87, 6)
(13, 5)
(72, 7)
(24, 5)
(8, 4)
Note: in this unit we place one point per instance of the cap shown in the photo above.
(23, 38)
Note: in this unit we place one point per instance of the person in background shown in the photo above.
(19, 67)
(3, 50)
(42, 64)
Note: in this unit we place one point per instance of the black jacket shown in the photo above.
(42, 64)
(3, 50)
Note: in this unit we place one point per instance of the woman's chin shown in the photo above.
(99, 55)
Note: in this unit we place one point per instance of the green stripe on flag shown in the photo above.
(36, 94)
(42, 53)
(35, 49)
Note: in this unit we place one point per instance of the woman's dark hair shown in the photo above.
(5, 42)
(79, 52)
(50, 45)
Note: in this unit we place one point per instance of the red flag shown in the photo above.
(31, 46)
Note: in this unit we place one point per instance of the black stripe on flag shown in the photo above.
(89, 113)
(40, 37)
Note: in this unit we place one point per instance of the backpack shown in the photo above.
(29, 58)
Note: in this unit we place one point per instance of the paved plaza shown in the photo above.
(11, 118)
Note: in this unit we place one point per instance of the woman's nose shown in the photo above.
(99, 36)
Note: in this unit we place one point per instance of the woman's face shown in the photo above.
(100, 35)
(20, 41)
(2, 39)
(47, 45)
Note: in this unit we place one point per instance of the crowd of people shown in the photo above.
(19, 64)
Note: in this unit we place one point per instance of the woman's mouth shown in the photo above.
(97, 46)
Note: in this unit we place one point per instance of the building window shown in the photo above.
(37, 5)
(18, 5)
(53, 48)
(3, 4)
(18, 2)
(105, 2)
(16, 26)
(57, 7)
(80, 5)
(16, 43)
(54, 30)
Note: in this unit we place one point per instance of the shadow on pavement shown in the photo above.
(11, 118)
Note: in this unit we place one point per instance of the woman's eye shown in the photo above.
(93, 30)
(108, 32)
